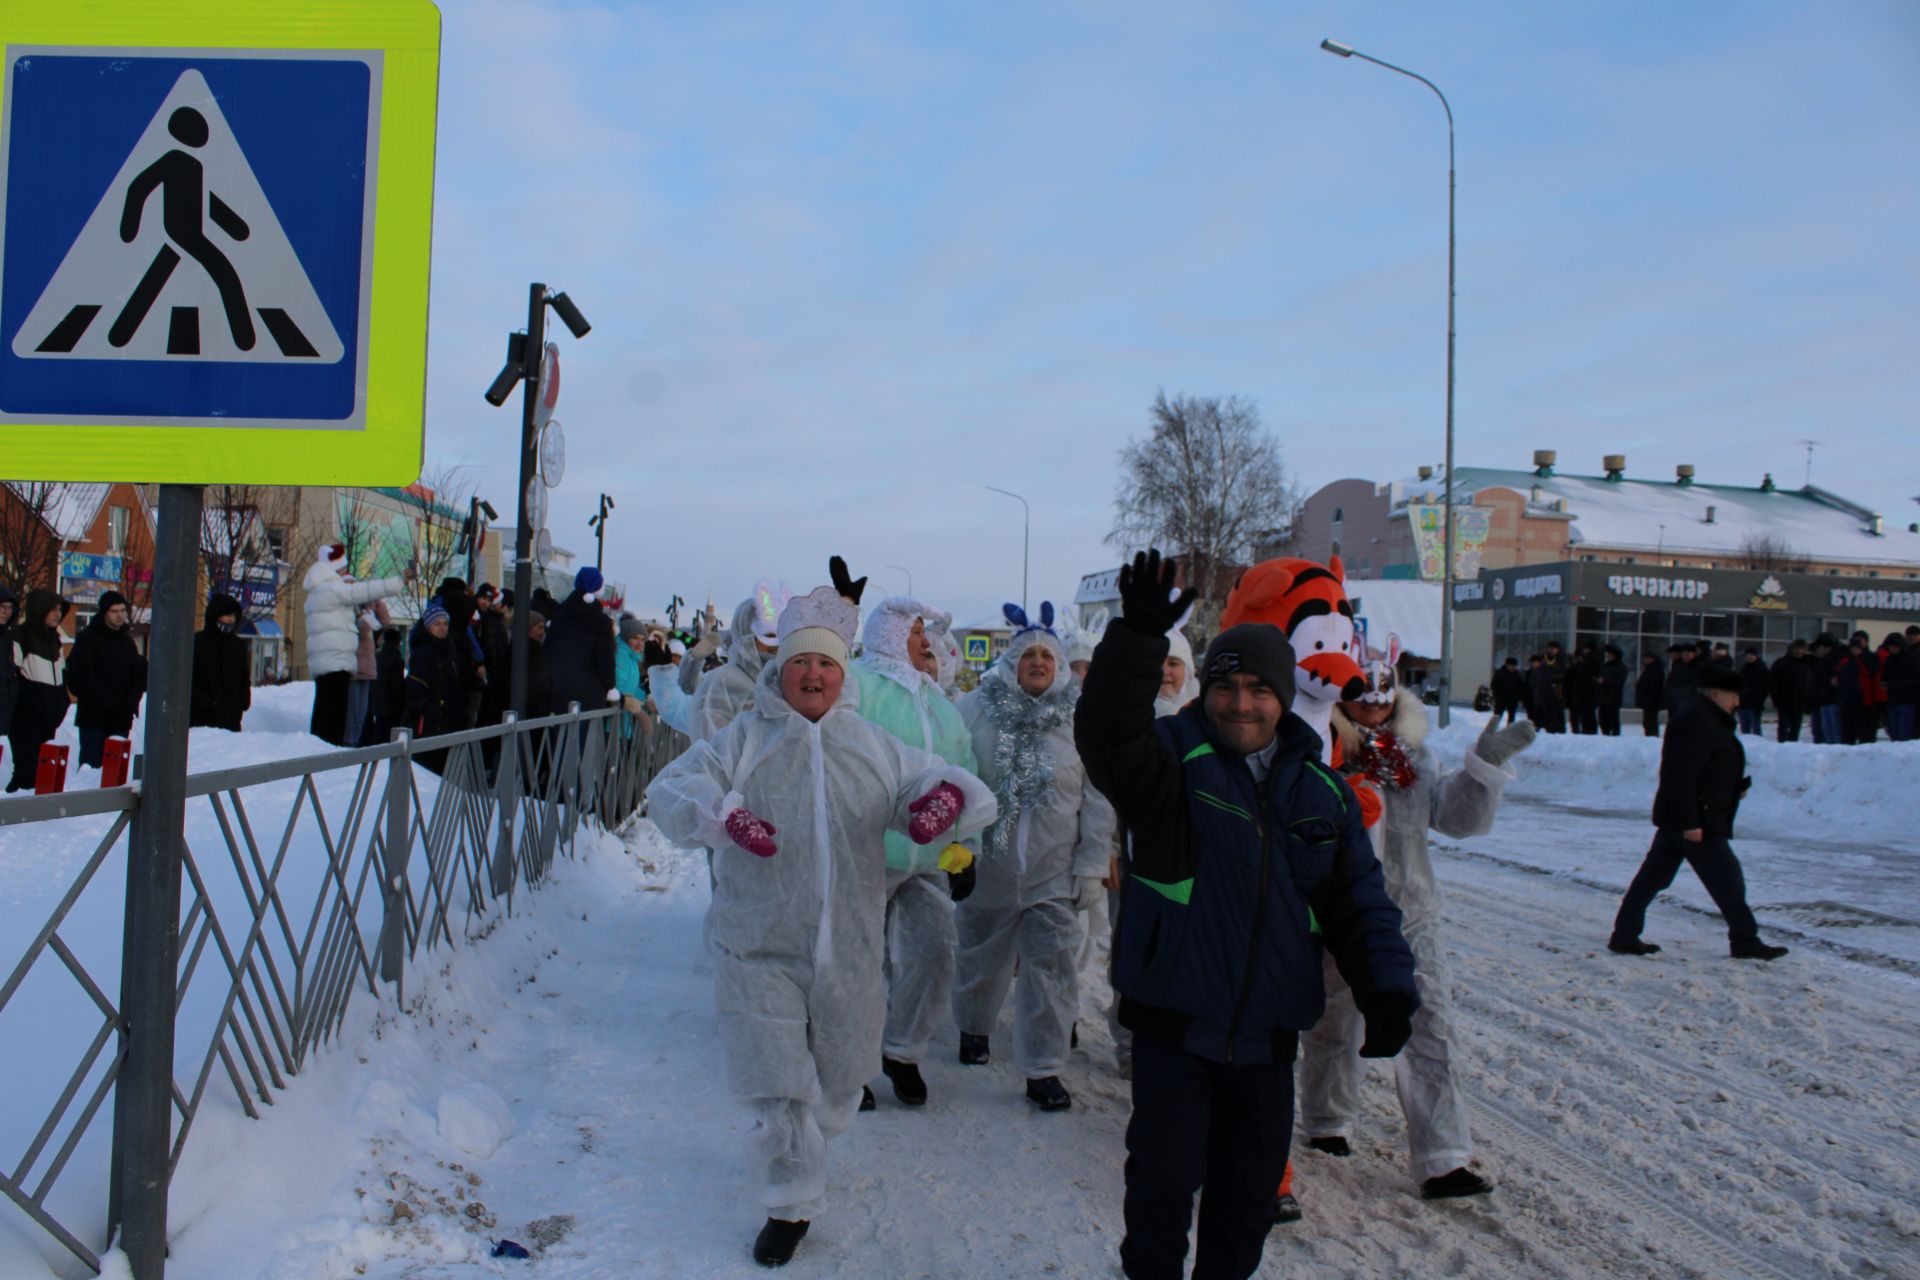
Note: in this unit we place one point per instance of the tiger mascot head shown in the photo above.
(1308, 601)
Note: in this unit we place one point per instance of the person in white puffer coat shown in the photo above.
(333, 639)
(1383, 745)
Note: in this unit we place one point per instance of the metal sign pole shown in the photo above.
(143, 1095)
(529, 467)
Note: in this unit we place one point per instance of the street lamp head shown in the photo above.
(569, 315)
(511, 372)
(1335, 47)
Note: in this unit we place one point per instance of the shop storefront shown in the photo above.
(1514, 612)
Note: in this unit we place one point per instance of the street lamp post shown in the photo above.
(524, 351)
(1447, 494)
(599, 525)
(1026, 540)
(903, 569)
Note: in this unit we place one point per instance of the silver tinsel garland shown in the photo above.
(1022, 764)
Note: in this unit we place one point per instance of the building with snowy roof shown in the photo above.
(1536, 516)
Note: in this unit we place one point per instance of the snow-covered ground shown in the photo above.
(1683, 1115)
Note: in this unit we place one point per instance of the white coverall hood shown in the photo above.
(727, 690)
(796, 937)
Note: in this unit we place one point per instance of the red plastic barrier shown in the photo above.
(52, 776)
(113, 765)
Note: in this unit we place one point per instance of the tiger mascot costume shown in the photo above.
(1309, 602)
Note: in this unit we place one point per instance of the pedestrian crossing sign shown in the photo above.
(214, 242)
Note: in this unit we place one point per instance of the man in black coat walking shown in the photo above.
(222, 691)
(107, 676)
(1582, 689)
(1703, 771)
(1650, 693)
(1248, 857)
(1791, 683)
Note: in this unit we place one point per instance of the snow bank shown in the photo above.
(475, 1119)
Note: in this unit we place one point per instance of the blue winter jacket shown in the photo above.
(1237, 886)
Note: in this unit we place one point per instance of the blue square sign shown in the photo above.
(186, 238)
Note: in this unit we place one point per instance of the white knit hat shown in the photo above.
(818, 622)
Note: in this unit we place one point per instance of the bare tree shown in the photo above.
(236, 540)
(1764, 549)
(355, 527)
(1207, 484)
(438, 505)
(29, 544)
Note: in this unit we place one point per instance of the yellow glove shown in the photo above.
(955, 858)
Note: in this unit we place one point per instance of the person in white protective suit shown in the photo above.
(897, 692)
(727, 691)
(1383, 745)
(794, 797)
(333, 638)
(1048, 849)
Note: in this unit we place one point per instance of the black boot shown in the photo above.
(1631, 947)
(1073, 1037)
(1754, 949)
(1451, 1186)
(973, 1050)
(1334, 1146)
(907, 1083)
(1049, 1094)
(775, 1244)
(1287, 1209)
(867, 1100)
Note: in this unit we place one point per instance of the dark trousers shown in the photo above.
(329, 720)
(1610, 721)
(1712, 860)
(1788, 729)
(1650, 722)
(1900, 721)
(1507, 709)
(1551, 719)
(1201, 1126)
(37, 716)
(1749, 718)
(1858, 725)
(93, 746)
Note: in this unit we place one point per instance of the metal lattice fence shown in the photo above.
(306, 882)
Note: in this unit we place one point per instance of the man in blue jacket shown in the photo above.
(1249, 859)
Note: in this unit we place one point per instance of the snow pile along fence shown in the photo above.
(307, 881)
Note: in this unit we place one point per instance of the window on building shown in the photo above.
(277, 542)
(1338, 514)
(117, 522)
(1628, 560)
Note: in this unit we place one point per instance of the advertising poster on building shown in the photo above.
(1470, 528)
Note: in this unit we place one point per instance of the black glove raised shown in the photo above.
(843, 583)
(1389, 1025)
(1148, 602)
(960, 883)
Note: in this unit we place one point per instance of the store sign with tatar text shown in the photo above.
(1624, 584)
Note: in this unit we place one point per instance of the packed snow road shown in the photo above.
(1681, 1116)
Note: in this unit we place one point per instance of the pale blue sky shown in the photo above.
(849, 263)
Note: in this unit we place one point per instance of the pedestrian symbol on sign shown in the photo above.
(185, 195)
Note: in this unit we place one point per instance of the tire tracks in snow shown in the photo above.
(1718, 1253)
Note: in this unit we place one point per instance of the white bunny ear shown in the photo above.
(1393, 650)
(1186, 617)
(1097, 624)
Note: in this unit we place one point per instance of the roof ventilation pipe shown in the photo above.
(1878, 525)
(1683, 474)
(1713, 515)
(1426, 473)
(1543, 460)
(1616, 465)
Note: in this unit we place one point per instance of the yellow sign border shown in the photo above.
(388, 450)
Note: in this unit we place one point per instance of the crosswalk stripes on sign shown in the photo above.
(183, 258)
